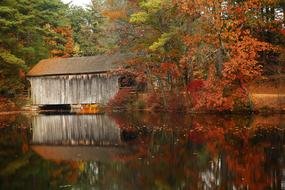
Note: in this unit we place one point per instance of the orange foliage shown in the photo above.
(222, 38)
(243, 65)
(115, 14)
(68, 50)
(245, 159)
(169, 68)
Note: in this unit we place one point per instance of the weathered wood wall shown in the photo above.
(73, 89)
(75, 130)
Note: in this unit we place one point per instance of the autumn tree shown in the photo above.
(157, 38)
(225, 44)
(63, 44)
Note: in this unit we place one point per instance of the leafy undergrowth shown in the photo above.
(122, 99)
(7, 105)
(203, 96)
(172, 102)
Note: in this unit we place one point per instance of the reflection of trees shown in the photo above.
(246, 151)
(13, 140)
(20, 167)
(163, 160)
(228, 151)
(170, 152)
(158, 167)
(193, 152)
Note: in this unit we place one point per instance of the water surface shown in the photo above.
(142, 151)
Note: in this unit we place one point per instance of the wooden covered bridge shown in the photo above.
(74, 81)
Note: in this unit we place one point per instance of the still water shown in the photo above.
(142, 151)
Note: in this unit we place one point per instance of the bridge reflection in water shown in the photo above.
(143, 151)
(77, 137)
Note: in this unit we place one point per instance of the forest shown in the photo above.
(192, 55)
(196, 101)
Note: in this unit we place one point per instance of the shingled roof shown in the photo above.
(77, 65)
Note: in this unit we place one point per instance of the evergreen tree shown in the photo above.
(85, 23)
(26, 26)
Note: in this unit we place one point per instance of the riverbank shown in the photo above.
(266, 96)
(261, 103)
(269, 108)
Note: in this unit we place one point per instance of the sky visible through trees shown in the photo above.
(78, 2)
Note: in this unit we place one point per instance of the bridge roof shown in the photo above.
(78, 65)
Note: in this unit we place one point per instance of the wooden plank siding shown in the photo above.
(73, 89)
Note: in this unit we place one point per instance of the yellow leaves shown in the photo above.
(140, 17)
(152, 5)
(9, 58)
(149, 7)
(158, 45)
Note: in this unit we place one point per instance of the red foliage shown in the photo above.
(282, 31)
(175, 102)
(211, 97)
(240, 46)
(170, 68)
(22, 73)
(122, 97)
(246, 159)
(195, 85)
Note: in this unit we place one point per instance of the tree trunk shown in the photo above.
(219, 64)
(251, 106)
(163, 92)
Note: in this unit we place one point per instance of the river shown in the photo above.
(142, 151)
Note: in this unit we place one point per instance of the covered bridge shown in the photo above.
(77, 80)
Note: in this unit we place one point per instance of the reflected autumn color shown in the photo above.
(247, 148)
(234, 152)
(143, 151)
